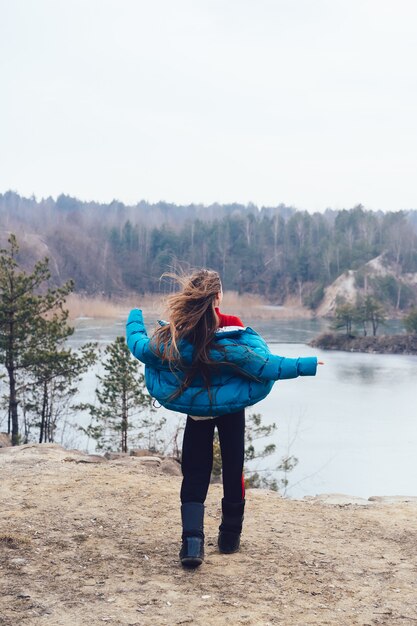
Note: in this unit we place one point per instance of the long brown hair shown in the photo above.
(192, 317)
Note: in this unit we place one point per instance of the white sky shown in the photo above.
(308, 102)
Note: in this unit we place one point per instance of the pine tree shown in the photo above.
(29, 312)
(370, 310)
(121, 395)
(345, 316)
(53, 382)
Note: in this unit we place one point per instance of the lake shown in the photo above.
(353, 427)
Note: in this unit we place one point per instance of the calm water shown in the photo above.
(353, 427)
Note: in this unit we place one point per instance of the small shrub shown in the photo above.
(410, 322)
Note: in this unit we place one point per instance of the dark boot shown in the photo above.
(192, 549)
(231, 526)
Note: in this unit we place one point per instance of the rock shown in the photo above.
(151, 461)
(142, 452)
(171, 467)
(393, 499)
(337, 499)
(112, 456)
(5, 440)
(91, 458)
(18, 561)
(40, 448)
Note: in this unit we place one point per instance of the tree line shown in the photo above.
(275, 252)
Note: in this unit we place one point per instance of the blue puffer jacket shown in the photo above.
(229, 391)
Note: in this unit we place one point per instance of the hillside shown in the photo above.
(277, 253)
(379, 278)
(89, 541)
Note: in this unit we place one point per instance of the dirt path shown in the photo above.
(85, 543)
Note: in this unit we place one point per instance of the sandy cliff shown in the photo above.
(345, 288)
(85, 541)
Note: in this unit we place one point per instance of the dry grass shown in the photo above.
(104, 308)
(247, 306)
(13, 541)
(253, 307)
(83, 306)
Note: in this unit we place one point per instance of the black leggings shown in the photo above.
(197, 457)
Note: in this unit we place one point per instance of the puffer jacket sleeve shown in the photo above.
(270, 367)
(138, 341)
(281, 367)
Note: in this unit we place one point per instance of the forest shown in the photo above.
(276, 252)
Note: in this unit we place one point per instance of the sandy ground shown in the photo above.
(84, 542)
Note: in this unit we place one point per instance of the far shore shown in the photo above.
(382, 344)
(247, 306)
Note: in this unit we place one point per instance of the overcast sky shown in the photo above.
(308, 102)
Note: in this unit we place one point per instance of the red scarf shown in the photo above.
(228, 320)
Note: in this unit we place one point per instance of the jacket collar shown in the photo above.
(224, 331)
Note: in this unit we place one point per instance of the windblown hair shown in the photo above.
(192, 317)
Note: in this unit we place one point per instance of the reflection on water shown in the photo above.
(290, 331)
(362, 374)
(101, 331)
(349, 426)
(380, 369)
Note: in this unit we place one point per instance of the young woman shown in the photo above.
(209, 366)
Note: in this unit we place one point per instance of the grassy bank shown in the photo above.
(247, 306)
